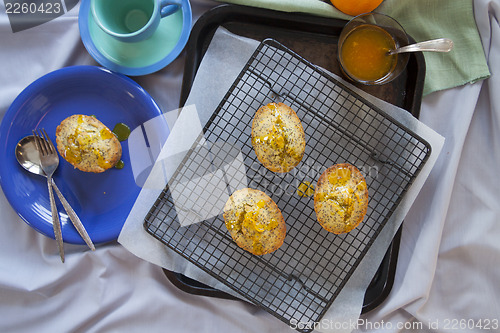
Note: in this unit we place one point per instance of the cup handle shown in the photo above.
(168, 7)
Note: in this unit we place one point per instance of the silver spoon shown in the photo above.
(434, 45)
(28, 157)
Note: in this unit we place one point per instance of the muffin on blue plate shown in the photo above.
(87, 144)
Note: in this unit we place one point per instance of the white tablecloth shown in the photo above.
(448, 268)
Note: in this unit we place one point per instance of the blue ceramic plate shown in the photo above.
(102, 201)
(142, 57)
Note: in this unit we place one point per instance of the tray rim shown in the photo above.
(200, 33)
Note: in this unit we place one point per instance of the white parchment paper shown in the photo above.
(220, 66)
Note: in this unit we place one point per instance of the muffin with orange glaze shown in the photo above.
(278, 137)
(87, 144)
(254, 221)
(341, 198)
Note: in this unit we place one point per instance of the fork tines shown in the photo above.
(43, 142)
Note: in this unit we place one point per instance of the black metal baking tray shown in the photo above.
(300, 280)
(315, 39)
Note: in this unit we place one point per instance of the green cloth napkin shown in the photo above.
(423, 20)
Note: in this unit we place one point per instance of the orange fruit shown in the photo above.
(356, 7)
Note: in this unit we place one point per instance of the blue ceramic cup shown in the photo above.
(131, 20)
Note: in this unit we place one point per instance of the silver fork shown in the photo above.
(49, 161)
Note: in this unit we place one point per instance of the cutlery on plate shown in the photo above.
(48, 162)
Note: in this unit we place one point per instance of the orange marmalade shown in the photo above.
(364, 53)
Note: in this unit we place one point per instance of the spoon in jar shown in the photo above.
(434, 45)
(28, 157)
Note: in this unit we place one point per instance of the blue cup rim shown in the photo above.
(83, 22)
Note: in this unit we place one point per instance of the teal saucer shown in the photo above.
(142, 57)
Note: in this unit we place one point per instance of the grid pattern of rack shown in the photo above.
(300, 280)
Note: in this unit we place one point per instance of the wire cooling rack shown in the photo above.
(298, 282)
